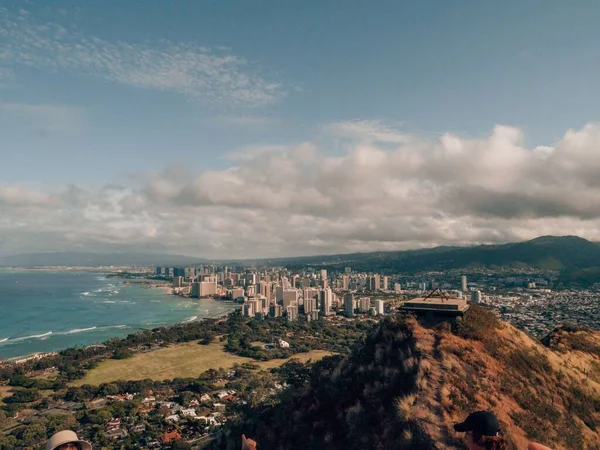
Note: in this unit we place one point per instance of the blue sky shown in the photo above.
(106, 92)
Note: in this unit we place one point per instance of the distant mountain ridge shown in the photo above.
(87, 259)
(561, 253)
(545, 252)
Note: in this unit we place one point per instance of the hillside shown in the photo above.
(546, 253)
(406, 385)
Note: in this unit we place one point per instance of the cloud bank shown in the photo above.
(382, 193)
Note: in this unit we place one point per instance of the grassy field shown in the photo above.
(180, 360)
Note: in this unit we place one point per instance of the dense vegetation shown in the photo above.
(344, 402)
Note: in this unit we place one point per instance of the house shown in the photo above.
(222, 394)
(169, 405)
(172, 418)
(208, 420)
(168, 437)
(219, 406)
(190, 412)
(205, 398)
(116, 433)
(283, 344)
(113, 424)
(138, 428)
(149, 399)
(194, 402)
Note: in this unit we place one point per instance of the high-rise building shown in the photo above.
(236, 293)
(310, 305)
(292, 312)
(290, 297)
(279, 294)
(326, 301)
(373, 283)
(423, 286)
(345, 282)
(463, 283)
(380, 307)
(348, 270)
(324, 283)
(159, 271)
(397, 288)
(476, 297)
(251, 290)
(385, 283)
(177, 282)
(250, 278)
(208, 288)
(275, 310)
(310, 293)
(323, 274)
(364, 304)
(195, 289)
(349, 304)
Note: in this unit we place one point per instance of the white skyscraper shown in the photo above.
(323, 274)
(476, 296)
(380, 306)
(463, 283)
(345, 282)
(385, 283)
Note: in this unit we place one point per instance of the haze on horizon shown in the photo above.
(265, 129)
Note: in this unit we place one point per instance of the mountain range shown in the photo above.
(561, 253)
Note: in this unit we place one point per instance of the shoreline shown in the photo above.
(149, 284)
(20, 359)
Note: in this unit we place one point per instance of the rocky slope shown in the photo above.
(406, 385)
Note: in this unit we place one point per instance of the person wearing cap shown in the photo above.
(482, 431)
(67, 440)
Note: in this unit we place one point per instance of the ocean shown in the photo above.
(43, 311)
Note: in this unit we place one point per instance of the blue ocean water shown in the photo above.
(43, 311)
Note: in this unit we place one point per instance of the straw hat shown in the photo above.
(66, 437)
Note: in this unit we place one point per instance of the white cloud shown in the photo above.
(299, 199)
(212, 76)
(368, 130)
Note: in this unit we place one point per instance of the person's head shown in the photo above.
(482, 431)
(67, 440)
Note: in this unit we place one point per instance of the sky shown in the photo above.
(263, 128)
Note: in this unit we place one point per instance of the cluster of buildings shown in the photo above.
(310, 294)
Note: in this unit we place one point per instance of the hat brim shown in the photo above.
(461, 427)
(85, 445)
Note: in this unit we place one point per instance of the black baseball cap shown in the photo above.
(483, 423)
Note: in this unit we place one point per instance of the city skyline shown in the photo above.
(269, 130)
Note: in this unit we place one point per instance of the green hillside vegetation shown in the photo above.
(545, 253)
(408, 383)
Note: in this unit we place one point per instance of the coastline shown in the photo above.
(134, 311)
(40, 355)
